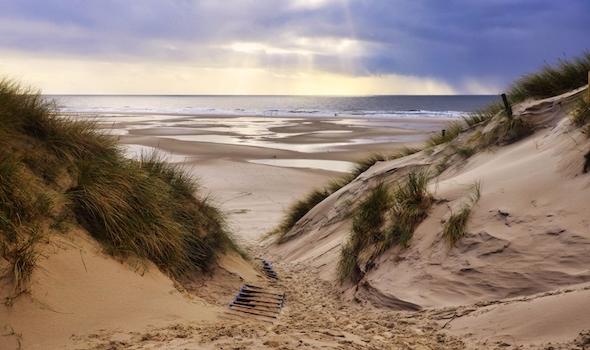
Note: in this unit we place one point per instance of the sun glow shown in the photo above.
(154, 78)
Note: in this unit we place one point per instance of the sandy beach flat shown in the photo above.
(254, 196)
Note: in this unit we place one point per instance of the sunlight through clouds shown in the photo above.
(120, 78)
(459, 47)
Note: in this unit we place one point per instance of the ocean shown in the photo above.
(284, 106)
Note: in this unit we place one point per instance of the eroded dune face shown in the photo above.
(529, 232)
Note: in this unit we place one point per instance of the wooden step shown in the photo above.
(253, 311)
(236, 315)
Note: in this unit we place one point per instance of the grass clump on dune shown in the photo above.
(315, 197)
(146, 208)
(116, 199)
(456, 224)
(551, 80)
(484, 114)
(22, 257)
(453, 130)
(554, 80)
(454, 228)
(411, 201)
(367, 228)
(364, 164)
(303, 206)
(299, 209)
(581, 115)
(507, 131)
(386, 218)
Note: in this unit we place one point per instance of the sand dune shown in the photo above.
(77, 291)
(528, 234)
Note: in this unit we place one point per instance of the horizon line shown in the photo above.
(264, 95)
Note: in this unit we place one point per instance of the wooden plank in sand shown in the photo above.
(253, 311)
(262, 306)
(251, 315)
(237, 316)
(246, 293)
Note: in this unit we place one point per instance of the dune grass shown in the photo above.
(581, 115)
(298, 210)
(483, 114)
(552, 80)
(116, 199)
(465, 151)
(22, 257)
(507, 131)
(146, 208)
(411, 201)
(313, 198)
(364, 164)
(301, 207)
(367, 228)
(455, 226)
(384, 219)
(451, 132)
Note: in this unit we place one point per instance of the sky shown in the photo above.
(301, 47)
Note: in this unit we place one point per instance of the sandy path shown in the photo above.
(313, 318)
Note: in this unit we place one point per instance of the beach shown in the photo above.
(298, 174)
(255, 167)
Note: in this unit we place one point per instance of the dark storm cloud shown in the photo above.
(453, 40)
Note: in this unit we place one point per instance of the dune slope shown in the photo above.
(528, 233)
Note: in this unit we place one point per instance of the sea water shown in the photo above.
(285, 106)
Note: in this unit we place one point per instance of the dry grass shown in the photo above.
(298, 210)
(315, 197)
(384, 219)
(456, 225)
(411, 202)
(581, 115)
(507, 131)
(552, 80)
(454, 228)
(465, 151)
(451, 132)
(484, 114)
(22, 258)
(145, 208)
(367, 228)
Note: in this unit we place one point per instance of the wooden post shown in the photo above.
(589, 86)
(507, 106)
(443, 132)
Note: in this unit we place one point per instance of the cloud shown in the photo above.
(465, 45)
(154, 78)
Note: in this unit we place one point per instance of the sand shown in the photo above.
(77, 292)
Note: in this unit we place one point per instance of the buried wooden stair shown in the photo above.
(268, 270)
(258, 303)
